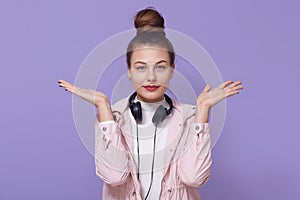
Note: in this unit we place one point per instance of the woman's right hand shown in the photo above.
(96, 98)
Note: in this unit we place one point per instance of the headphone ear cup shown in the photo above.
(136, 111)
(159, 115)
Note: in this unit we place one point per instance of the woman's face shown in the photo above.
(150, 72)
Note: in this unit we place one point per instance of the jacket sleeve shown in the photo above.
(195, 161)
(111, 158)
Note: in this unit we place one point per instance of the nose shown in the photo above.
(151, 75)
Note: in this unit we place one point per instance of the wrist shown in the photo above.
(101, 104)
(104, 112)
(203, 108)
(202, 114)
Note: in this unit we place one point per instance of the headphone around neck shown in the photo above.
(160, 114)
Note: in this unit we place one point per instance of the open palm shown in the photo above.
(208, 98)
(90, 95)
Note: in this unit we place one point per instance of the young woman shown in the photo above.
(149, 146)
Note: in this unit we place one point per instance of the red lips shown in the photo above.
(151, 88)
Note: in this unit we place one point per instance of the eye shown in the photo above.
(141, 68)
(161, 67)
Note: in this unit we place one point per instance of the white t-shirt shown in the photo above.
(146, 130)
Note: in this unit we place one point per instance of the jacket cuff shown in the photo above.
(199, 128)
(108, 133)
(107, 127)
(106, 122)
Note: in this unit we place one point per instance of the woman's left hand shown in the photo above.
(208, 98)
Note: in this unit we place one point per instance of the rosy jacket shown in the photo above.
(187, 155)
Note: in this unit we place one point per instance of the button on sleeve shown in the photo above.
(107, 127)
(107, 130)
(198, 127)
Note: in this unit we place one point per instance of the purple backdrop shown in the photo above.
(255, 41)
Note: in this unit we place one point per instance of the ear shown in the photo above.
(173, 69)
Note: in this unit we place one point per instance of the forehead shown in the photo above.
(149, 54)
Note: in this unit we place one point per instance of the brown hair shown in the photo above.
(150, 30)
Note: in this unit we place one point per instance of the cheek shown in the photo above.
(137, 81)
(164, 80)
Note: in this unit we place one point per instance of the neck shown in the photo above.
(150, 100)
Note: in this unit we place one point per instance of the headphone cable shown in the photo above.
(138, 150)
(151, 181)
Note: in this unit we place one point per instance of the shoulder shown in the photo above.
(182, 105)
(119, 108)
(184, 109)
(120, 105)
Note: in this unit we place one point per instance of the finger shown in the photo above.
(229, 94)
(62, 83)
(235, 84)
(206, 88)
(69, 87)
(225, 84)
(65, 84)
(238, 87)
(75, 90)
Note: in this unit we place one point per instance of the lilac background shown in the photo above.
(257, 41)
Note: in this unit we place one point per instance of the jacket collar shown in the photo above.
(186, 110)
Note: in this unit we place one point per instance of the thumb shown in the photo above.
(206, 88)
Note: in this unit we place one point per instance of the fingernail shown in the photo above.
(59, 81)
(60, 86)
(66, 89)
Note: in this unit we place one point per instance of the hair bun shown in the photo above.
(149, 20)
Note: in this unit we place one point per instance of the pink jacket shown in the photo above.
(187, 155)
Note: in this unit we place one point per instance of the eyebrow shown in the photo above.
(140, 62)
